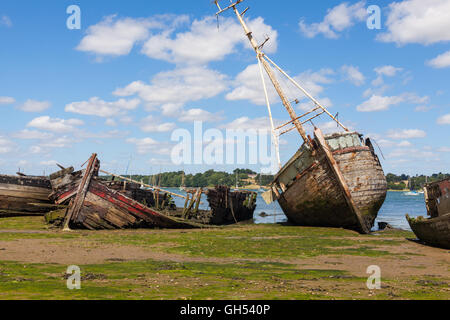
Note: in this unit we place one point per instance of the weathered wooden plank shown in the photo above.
(341, 180)
(35, 194)
(433, 231)
(77, 204)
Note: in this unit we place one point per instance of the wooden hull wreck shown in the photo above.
(92, 205)
(334, 181)
(339, 183)
(432, 231)
(95, 204)
(435, 230)
(24, 195)
(226, 206)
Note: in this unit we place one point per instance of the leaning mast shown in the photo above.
(265, 62)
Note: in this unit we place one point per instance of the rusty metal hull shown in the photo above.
(346, 193)
(24, 195)
(433, 231)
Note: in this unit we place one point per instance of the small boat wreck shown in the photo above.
(434, 230)
(23, 195)
(333, 180)
(97, 204)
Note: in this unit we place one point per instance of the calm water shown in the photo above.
(393, 210)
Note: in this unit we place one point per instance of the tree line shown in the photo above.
(396, 182)
(209, 178)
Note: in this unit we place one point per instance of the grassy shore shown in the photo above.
(238, 262)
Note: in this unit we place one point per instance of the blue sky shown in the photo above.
(138, 70)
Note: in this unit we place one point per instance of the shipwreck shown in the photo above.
(24, 195)
(434, 230)
(333, 180)
(94, 203)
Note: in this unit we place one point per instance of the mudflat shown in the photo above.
(235, 262)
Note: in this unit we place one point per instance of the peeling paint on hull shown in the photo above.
(315, 196)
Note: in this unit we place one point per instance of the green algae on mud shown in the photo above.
(155, 280)
(236, 262)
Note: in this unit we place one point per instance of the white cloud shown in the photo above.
(151, 124)
(7, 100)
(34, 106)
(417, 21)
(445, 119)
(379, 103)
(309, 105)
(414, 98)
(198, 114)
(441, 61)
(200, 44)
(6, 145)
(61, 142)
(117, 37)
(203, 43)
(413, 153)
(353, 75)
(97, 107)
(148, 145)
(423, 108)
(5, 21)
(48, 163)
(248, 85)
(386, 143)
(110, 122)
(388, 71)
(339, 18)
(177, 87)
(245, 123)
(112, 134)
(126, 119)
(55, 124)
(23, 163)
(405, 144)
(46, 146)
(375, 91)
(406, 134)
(36, 150)
(444, 149)
(313, 81)
(158, 162)
(32, 135)
(328, 127)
